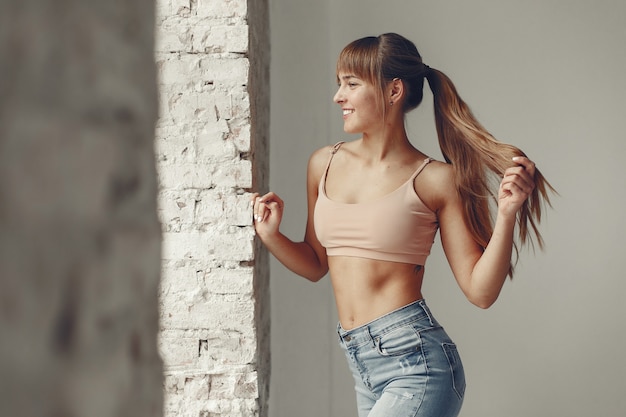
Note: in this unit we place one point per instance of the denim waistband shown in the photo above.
(416, 311)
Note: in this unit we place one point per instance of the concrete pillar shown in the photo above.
(79, 231)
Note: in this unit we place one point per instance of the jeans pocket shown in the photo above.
(399, 341)
(456, 368)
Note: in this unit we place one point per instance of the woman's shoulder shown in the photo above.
(435, 171)
(320, 157)
(436, 184)
(440, 172)
(318, 162)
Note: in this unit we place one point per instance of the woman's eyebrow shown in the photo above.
(346, 78)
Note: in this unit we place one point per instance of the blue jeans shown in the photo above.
(404, 364)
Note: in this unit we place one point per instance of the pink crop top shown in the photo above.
(397, 227)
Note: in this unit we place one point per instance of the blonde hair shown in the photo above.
(475, 155)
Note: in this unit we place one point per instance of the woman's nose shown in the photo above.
(338, 98)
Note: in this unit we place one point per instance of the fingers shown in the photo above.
(518, 183)
(264, 206)
(271, 197)
(513, 188)
(522, 175)
(527, 165)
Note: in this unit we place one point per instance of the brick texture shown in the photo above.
(212, 150)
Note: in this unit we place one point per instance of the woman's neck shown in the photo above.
(386, 144)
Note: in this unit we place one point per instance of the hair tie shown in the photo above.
(427, 70)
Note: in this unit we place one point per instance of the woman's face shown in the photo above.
(359, 102)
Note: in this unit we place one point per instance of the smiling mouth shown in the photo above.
(346, 112)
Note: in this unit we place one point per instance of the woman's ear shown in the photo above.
(395, 91)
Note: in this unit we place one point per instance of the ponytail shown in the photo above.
(478, 160)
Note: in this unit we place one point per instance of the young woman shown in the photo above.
(374, 207)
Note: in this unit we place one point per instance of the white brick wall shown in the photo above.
(208, 303)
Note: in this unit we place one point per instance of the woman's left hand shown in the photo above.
(517, 185)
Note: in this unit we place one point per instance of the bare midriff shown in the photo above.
(366, 289)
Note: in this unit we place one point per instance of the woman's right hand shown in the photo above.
(267, 213)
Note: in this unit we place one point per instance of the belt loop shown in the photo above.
(427, 311)
(372, 338)
(344, 339)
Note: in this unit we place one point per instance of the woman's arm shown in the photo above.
(481, 274)
(306, 258)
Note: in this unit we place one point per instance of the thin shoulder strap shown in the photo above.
(336, 147)
(333, 151)
(421, 168)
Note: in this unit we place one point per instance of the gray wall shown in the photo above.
(544, 75)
